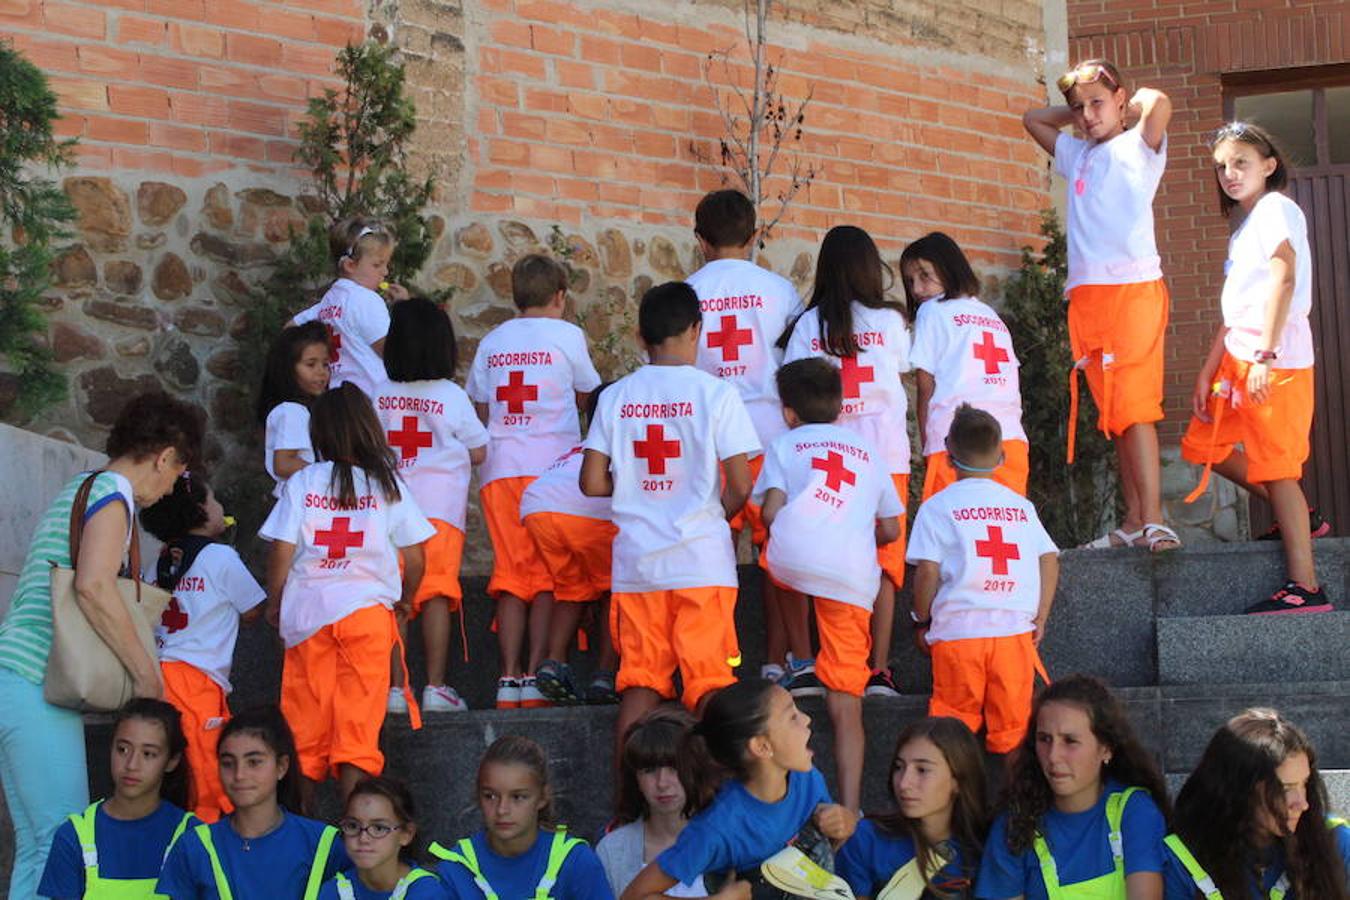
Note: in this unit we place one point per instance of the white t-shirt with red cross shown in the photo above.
(201, 623)
(987, 541)
(346, 557)
(528, 371)
(745, 309)
(968, 350)
(287, 429)
(1247, 283)
(823, 540)
(875, 404)
(356, 317)
(558, 490)
(432, 427)
(665, 429)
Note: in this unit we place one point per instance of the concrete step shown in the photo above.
(1245, 649)
(1337, 782)
(1224, 579)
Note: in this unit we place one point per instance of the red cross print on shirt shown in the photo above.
(990, 354)
(995, 550)
(730, 339)
(339, 538)
(515, 393)
(174, 618)
(854, 376)
(410, 439)
(334, 345)
(656, 449)
(836, 473)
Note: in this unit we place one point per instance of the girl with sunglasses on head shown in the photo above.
(1117, 299)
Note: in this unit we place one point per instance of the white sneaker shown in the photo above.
(508, 693)
(397, 704)
(530, 696)
(442, 698)
(771, 672)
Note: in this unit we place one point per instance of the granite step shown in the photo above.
(1248, 649)
(1224, 579)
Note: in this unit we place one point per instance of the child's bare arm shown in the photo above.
(583, 400)
(595, 479)
(774, 499)
(925, 384)
(739, 483)
(482, 410)
(1044, 125)
(287, 462)
(1154, 110)
(888, 530)
(477, 455)
(650, 882)
(1282, 268)
(1204, 380)
(378, 347)
(1049, 581)
(279, 559)
(414, 564)
(926, 575)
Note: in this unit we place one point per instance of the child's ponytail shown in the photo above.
(345, 432)
(732, 716)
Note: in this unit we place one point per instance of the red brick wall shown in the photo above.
(1184, 47)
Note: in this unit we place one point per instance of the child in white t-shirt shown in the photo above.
(829, 503)
(1256, 386)
(963, 353)
(432, 427)
(296, 372)
(211, 589)
(984, 578)
(352, 310)
(333, 584)
(655, 447)
(849, 322)
(529, 376)
(745, 308)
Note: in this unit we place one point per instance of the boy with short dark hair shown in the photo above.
(984, 580)
(829, 502)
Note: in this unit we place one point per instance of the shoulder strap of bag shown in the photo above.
(77, 508)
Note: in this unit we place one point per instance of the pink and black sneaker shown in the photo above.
(1293, 598)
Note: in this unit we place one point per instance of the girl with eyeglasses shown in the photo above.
(380, 834)
(1117, 299)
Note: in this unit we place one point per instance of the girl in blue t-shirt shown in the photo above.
(379, 833)
(261, 849)
(754, 731)
(132, 830)
(1085, 805)
(936, 833)
(1252, 819)
(519, 849)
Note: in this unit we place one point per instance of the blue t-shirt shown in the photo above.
(1178, 884)
(515, 877)
(1080, 844)
(427, 888)
(869, 859)
(275, 865)
(737, 832)
(127, 849)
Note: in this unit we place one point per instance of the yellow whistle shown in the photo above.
(230, 521)
(384, 285)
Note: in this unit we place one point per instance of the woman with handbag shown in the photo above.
(42, 756)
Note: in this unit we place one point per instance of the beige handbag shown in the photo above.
(82, 671)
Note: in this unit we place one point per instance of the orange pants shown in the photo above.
(334, 687)
(1273, 434)
(1011, 473)
(892, 556)
(845, 646)
(517, 567)
(691, 629)
(201, 702)
(1116, 333)
(987, 681)
(749, 514)
(578, 552)
(440, 578)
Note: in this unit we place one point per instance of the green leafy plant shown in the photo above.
(1075, 502)
(34, 213)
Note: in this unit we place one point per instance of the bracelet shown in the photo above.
(920, 623)
(1264, 356)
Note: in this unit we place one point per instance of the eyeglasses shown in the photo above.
(377, 830)
(1086, 74)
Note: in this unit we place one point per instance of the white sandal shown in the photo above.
(1105, 542)
(1156, 534)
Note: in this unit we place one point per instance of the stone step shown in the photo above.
(1337, 782)
(1245, 649)
(1224, 579)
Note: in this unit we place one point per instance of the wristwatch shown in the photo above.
(1263, 356)
(919, 623)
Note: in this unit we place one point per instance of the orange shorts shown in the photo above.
(578, 552)
(986, 681)
(1116, 331)
(334, 687)
(845, 646)
(1011, 473)
(692, 629)
(201, 702)
(1274, 434)
(892, 556)
(444, 551)
(517, 567)
(749, 514)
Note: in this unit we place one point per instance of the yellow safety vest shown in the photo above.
(1110, 886)
(1205, 884)
(347, 892)
(315, 869)
(464, 855)
(96, 887)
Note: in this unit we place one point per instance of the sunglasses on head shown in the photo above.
(1240, 131)
(367, 230)
(1086, 74)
